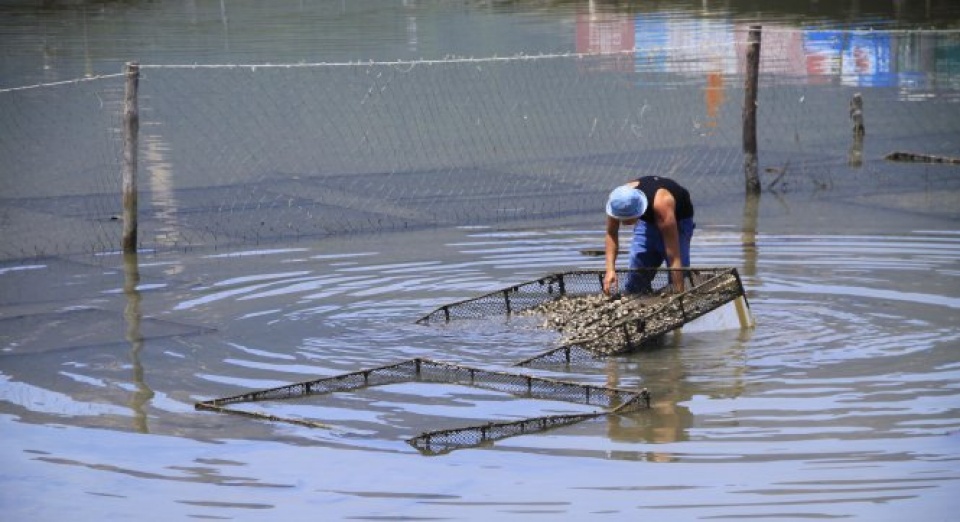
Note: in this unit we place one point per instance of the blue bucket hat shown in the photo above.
(626, 202)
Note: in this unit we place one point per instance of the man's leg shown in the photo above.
(686, 227)
(646, 251)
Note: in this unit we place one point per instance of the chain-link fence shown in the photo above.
(249, 154)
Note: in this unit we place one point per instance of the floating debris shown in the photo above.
(921, 158)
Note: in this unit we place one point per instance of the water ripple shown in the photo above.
(852, 363)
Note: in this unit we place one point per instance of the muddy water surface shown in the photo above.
(841, 403)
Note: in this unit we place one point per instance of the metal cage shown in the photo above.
(604, 326)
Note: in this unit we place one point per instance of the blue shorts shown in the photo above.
(647, 251)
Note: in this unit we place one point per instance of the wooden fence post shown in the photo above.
(856, 114)
(750, 111)
(131, 129)
(855, 156)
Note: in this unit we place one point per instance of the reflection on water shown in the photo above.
(51, 43)
(908, 60)
(133, 315)
(162, 193)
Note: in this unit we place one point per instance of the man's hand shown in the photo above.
(610, 281)
(676, 280)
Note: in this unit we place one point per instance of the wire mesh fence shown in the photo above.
(244, 155)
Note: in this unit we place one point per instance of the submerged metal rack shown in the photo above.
(608, 400)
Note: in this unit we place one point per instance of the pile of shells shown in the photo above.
(609, 325)
(589, 317)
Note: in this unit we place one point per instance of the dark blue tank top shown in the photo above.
(649, 185)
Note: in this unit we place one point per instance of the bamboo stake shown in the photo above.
(750, 111)
(131, 128)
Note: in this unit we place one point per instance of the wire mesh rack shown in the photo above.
(597, 325)
(605, 399)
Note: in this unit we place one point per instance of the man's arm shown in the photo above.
(611, 247)
(664, 211)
